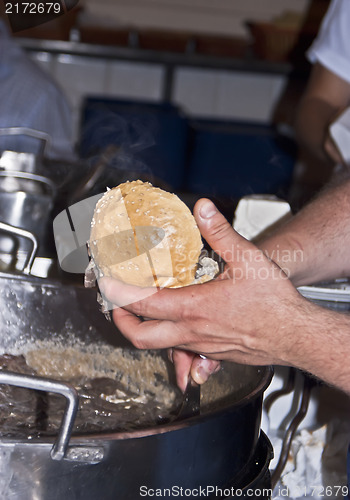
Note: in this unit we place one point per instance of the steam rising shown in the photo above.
(120, 144)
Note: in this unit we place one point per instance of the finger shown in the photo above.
(182, 362)
(122, 294)
(141, 301)
(152, 334)
(167, 304)
(199, 367)
(220, 235)
(203, 368)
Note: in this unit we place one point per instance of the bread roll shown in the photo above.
(145, 236)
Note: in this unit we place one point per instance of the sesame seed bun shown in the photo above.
(145, 236)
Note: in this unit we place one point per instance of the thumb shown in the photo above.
(219, 233)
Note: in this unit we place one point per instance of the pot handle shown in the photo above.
(30, 132)
(60, 446)
(8, 228)
(31, 177)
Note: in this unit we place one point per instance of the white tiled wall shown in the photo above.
(134, 80)
(87, 76)
(200, 93)
(228, 95)
(79, 76)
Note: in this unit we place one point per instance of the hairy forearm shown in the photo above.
(321, 344)
(252, 315)
(314, 245)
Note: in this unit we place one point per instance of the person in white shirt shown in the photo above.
(328, 89)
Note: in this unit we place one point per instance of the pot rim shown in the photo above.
(99, 438)
(191, 421)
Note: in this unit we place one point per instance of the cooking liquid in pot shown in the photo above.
(119, 389)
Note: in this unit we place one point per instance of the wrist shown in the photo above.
(288, 254)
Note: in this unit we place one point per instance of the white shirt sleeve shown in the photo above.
(331, 47)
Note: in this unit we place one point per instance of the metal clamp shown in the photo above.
(60, 447)
(31, 177)
(29, 132)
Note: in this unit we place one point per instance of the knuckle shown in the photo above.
(221, 230)
(193, 313)
(187, 312)
(139, 308)
(139, 343)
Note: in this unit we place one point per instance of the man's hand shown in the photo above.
(186, 362)
(242, 316)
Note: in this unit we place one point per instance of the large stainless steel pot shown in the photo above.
(207, 450)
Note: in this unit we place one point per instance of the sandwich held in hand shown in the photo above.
(145, 236)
